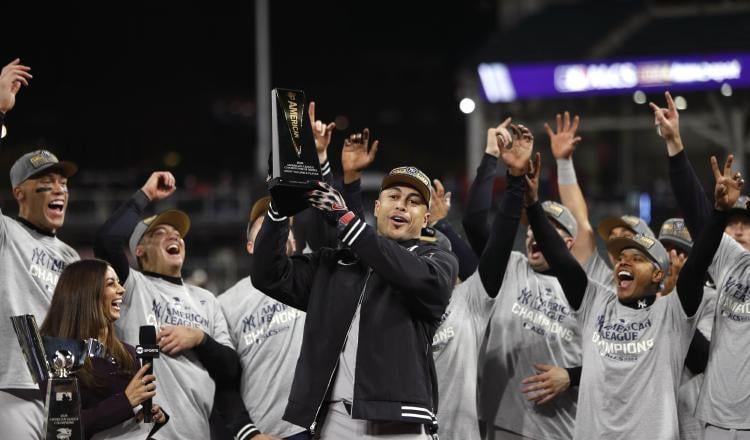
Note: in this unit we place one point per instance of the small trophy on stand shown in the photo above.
(54, 361)
(293, 163)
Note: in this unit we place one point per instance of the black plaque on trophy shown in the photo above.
(293, 163)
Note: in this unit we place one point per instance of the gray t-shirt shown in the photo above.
(30, 265)
(267, 336)
(455, 348)
(690, 427)
(725, 396)
(632, 363)
(185, 389)
(531, 323)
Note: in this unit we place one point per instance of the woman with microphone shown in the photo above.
(86, 303)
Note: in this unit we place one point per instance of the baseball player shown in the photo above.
(531, 321)
(365, 370)
(31, 261)
(192, 333)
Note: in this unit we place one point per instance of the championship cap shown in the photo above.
(410, 176)
(37, 163)
(648, 245)
(173, 217)
(674, 232)
(560, 214)
(635, 224)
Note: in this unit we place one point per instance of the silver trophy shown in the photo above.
(53, 362)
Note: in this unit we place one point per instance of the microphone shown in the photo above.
(147, 350)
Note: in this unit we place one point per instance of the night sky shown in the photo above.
(119, 87)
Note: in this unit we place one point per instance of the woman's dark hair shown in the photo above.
(76, 312)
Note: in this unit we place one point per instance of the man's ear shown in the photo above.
(250, 247)
(426, 218)
(569, 242)
(18, 194)
(657, 276)
(139, 252)
(377, 208)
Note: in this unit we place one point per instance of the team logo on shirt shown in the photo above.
(177, 312)
(734, 302)
(622, 340)
(543, 313)
(271, 319)
(46, 268)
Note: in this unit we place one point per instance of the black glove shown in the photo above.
(328, 201)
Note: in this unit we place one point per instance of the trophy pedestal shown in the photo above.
(63, 409)
(290, 196)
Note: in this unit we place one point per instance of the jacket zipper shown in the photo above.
(330, 378)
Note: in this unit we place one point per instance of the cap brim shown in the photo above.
(259, 208)
(173, 217)
(606, 226)
(616, 245)
(676, 242)
(64, 168)
(405, 179)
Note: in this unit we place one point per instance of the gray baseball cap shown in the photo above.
(635, 224)
(674, 232)
(648, 245)
(37, 163)
(560, 214)
(177, 219)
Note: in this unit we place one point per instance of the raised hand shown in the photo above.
(676, 261)
(321, 133)
(12, 77)
(357, 155)
(440, 203)
(667, 120)
(516, 155)
(727, 189)
(498, 137)
(159, 186)
(563, 142)
(328, 201)
(549, 383)
(531, 195)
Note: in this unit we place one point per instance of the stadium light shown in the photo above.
(467, 105)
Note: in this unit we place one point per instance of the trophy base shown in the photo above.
(289, 197)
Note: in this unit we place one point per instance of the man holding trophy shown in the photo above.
(372, 306)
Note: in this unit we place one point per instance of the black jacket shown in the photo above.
(404, 288)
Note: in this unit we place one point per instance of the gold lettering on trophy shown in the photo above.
(294, 122)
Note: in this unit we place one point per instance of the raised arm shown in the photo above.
(726, 192)
(439, 208)
(286, 279)
(690, 194)
(475, 221)
(12, 77)
(112, 237)
(356, 155)
(562, 264)
(563, 143)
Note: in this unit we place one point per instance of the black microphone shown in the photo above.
(147, 350)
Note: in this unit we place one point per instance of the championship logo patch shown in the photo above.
(644, 241)
(554, 209)
(41, 158)
(631, 220)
